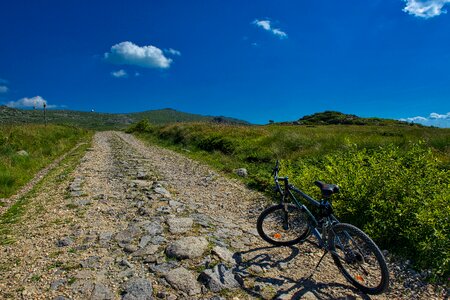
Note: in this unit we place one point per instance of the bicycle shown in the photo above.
(355, 254)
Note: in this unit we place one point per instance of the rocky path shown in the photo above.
(139, 222)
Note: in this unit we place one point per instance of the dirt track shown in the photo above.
(117, 227)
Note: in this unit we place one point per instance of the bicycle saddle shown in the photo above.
(327, 189)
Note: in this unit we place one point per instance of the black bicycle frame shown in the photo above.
(323, 205)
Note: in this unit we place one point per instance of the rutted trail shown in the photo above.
(137, 221)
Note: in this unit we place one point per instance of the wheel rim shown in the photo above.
(358, 260)
(284, 226)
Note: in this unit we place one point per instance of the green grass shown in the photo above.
(42, 143)
(394, 179)
(15, 213)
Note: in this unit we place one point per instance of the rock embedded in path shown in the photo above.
(187, 247)
(126, 236)
(101, 292)
(153, 228)
(224, 254)
(64, 242)
(184, 280)
(179, 225)
(137, 289)
(219, 278)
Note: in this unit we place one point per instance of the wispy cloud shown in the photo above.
(266, 25)
(3, 89)
(127, 53)
(434, 119)
(425, 8)
(36, 101)
(119, 74)
(172, 51)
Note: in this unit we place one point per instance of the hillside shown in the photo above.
(338, 118)
(96, 120)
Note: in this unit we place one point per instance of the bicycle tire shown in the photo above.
(354, 253)
(271, 225)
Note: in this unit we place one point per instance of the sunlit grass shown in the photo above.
(42, 144)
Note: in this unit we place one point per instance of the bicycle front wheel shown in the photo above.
(283, 225)
(358, 258)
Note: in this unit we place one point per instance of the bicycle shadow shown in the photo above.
(281, 286)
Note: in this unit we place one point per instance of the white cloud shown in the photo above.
(172, 51)
(434, 119)
(425, 8)
(266, 25)
(127, 53)
(119, 74)
(37, 102)
(3, 89)
(438, 116)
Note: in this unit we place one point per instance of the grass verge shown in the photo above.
(14, 214)
(26, 149)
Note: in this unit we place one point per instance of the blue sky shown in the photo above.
(277, 60)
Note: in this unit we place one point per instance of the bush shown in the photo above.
(399, 198)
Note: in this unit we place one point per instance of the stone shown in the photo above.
(137, 289)
(187, 247)
(104, 238)
(242, 172)
(184, 280)
(141, 175)
(146, 251)
(309, 296)
(91, 262)
(64, 242)
(164, 209)
(130, 248)
(22, 153)
(101, 292)
(179, 225)
(145, 240)
(175, 204)
(82, 202)
(164, 267)
(162, 191)
(153, 228)
(126, 236)
(219, 278)
(57, 283)
(158, 240)
(224, 254)
(125, 263)
(60, 298)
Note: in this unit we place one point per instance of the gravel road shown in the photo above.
(135, 221)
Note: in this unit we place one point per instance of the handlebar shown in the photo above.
(276, 169)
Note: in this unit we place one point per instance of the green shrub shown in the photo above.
(400, 198)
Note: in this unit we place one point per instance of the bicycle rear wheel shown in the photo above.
(358, 258)
(283, 225)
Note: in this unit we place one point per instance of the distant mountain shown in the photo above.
(96, 120)
(336, 118)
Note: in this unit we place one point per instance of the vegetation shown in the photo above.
(27, 204)
(42, 144)
(335, 118)
(102, 121)
(394, 179)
